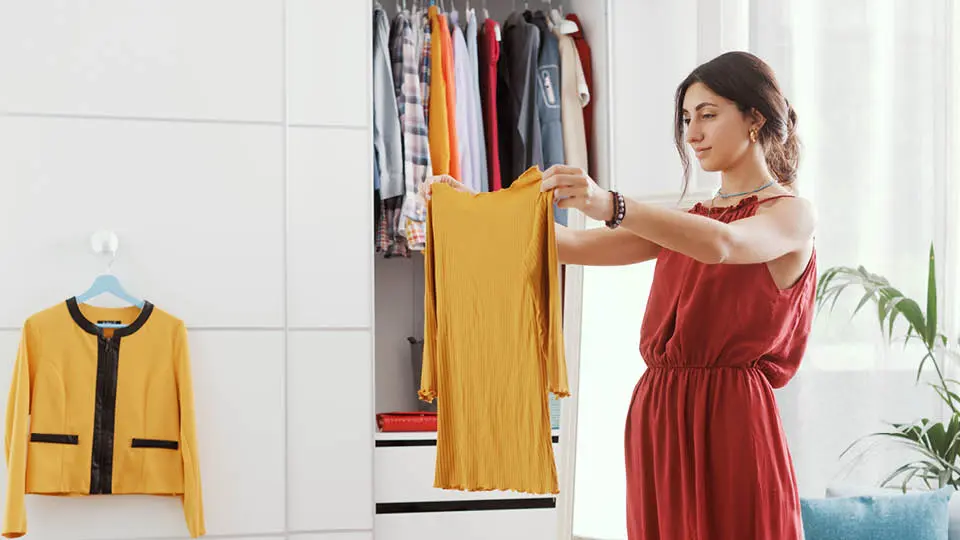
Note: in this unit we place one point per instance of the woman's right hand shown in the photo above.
(427, 185)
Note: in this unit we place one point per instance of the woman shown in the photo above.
(728, 316)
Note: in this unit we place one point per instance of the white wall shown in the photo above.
(226, 143)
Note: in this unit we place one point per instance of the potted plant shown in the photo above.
(936, 444)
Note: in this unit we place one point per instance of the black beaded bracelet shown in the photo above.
(619, 210)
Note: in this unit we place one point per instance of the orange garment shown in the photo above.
(493, 336)
(444, 152)
(438, 129)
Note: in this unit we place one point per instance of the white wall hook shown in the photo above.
(105, 243)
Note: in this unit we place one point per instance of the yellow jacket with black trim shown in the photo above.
(99, 410)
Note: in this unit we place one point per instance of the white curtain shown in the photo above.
(876, 91)
(870, 81)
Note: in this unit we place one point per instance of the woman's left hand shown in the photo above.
(573, 188)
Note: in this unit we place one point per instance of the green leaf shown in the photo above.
(953, 432)
(914, 467)
(937, 436)
(863, 300)
(883, 310)
(931, 334)
(946, 395)
(923, 361)
(911, 311)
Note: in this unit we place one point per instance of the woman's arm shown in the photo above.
(602, 247)
(775, 231)
(771, 233)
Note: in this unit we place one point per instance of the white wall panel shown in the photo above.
(197, 208)
(328, 62)
(645, 76)
(329, 227)
(333, 536)
(238, 380)
(330, 444)
(219, 59)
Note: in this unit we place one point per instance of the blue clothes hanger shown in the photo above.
(107, 283)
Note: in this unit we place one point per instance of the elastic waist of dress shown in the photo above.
(744, 367)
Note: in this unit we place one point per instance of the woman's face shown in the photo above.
(716, 130)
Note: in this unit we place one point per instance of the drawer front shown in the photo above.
(405, 474)
(529, 524)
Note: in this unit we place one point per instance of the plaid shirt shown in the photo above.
(415, 208)
(391, 238)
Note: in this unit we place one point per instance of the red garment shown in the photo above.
(706, 455)
(583, 50)
(489, 50)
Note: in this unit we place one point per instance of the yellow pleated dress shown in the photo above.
(493, 336)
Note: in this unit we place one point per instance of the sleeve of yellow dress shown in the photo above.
(555, 354)
(428, 375)
(192, 490)
(15, 442)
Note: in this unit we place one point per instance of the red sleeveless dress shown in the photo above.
(706, 456)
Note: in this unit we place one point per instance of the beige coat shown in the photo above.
(574, 95)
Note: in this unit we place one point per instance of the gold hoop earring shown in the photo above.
(753, 135)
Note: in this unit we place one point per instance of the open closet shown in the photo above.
(407, 504)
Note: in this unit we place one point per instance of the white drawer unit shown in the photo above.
(531, 524)
(409, 507)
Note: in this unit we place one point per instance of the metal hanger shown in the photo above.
(563, 25)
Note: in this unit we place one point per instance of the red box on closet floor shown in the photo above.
(407, 421)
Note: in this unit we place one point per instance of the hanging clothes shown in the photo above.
(426, 70)
(572, 97)
(493, 336)
(444, 145)
(517, 99)
(548, 91)
(488, 59)
(387, 137)
(548, 98)
(586, 63)
(377, 201)
(101, 411)
(417, 18)
(416, 146)
(386, 119)
(478, 148)
(466, 101)
(416, 223)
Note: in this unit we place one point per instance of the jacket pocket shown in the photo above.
(155, 443)
(54, 438)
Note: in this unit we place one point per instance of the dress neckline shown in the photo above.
(746, 201)
(720, 209)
